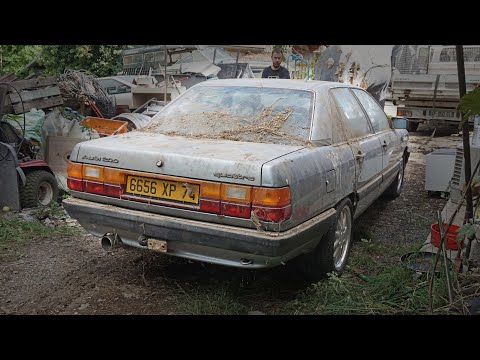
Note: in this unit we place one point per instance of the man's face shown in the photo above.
(276, 60)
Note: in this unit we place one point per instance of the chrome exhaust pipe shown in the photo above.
(110, 241)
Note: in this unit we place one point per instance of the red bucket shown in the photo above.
(451, 238)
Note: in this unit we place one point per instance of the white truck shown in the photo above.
(424, 83)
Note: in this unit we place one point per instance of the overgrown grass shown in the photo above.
(15, 230)
(212, 301)
(373, 284)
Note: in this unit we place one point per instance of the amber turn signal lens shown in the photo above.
(277, 197)
(74, 170)
(210, 190)
(113, 176)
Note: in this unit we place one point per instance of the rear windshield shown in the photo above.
(239, 113)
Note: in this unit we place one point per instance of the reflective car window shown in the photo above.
(259, 114)
(355, 120)
(375, 113)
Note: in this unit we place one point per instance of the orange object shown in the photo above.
(451, 239)
(105, 127)
(271, 196)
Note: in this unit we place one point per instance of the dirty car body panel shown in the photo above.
(240, 172)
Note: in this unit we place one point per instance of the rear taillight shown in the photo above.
(236, 210)
(75, 184)
(272, 204)
(266, 204)
(401, 112)
(75, 176)
(240, 201)
(95, 179)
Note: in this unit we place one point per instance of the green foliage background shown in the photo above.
(101, 60)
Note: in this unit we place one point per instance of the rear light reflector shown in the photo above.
(93, 187)
(272, 214)
(112, 190)
(75, 184)
(211, 206)
(236, 210)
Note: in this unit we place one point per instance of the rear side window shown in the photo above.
(376, 114)
(355, 120)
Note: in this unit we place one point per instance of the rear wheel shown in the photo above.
(395, 189)
(331, 253)
(41, 189)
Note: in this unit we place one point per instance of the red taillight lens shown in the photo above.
(112, 190)
(401, 112)
(272, 204)
(75, 184)
(272, 214)
(211, 206)
(93, 187)
(236, 210)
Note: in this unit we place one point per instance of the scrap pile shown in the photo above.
(80, 87)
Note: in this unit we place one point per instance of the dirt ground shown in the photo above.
(73, 275)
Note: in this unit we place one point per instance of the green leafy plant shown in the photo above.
(470, 106)
(470, 103)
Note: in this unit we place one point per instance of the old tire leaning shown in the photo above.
(331, 253)
(395, 188)
(41, 188)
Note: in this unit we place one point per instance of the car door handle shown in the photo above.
(384, 145)
(360, 156)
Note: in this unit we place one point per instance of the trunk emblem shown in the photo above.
(159, 163)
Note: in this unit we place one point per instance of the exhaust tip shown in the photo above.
(110, 241)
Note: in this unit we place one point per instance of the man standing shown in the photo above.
(276, 71)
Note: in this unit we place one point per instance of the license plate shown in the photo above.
(163, 189)
(449, 114)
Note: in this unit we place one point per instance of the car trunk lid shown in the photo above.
(206, 159)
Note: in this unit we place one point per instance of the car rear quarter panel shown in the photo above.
(306, 172)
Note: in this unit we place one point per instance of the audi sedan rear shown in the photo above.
(249, 173)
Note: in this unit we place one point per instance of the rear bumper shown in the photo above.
(193, 239)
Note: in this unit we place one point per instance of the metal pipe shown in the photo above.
(462, 87)
(165, 76)
(110, 241)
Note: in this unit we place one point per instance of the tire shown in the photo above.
(395, 188)
(412, 126)
(332, 251)
(41, 188)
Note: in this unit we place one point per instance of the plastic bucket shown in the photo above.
(451, 239)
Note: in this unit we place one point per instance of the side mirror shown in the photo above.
(400, 122)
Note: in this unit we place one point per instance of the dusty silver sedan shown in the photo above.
(247, 173)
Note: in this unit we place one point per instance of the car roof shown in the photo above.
(276, 83)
